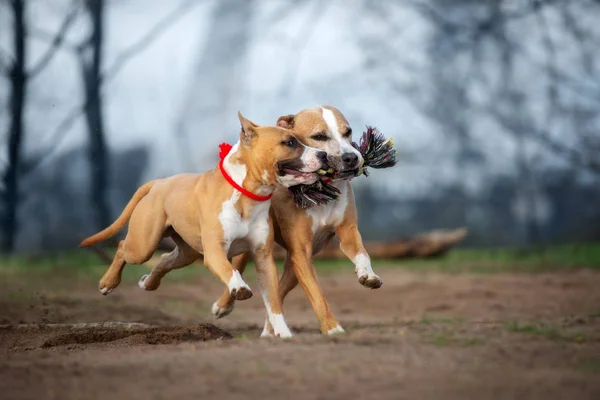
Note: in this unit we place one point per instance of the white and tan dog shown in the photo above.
(220, 214)
(304, 232)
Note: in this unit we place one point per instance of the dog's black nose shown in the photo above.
(349, 159)
(321, 155)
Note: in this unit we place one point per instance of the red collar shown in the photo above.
(225, 149)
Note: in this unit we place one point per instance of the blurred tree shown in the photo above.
(18, 83)
(213, 92)
(19, 76)
(90, 60)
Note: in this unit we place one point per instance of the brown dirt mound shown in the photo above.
(47, 336)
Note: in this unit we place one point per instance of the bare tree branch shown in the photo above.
(299, 44)
(148, 38)
(46, 36)
(65, 125)
(57, 40)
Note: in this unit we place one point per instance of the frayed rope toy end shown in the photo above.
(377, 152)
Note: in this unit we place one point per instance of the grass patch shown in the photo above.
(428, 320)
(535, 330)
(558, 257)
(501, 260)
(592, 366)
(447, 339)
(546, 331)
(595, 314)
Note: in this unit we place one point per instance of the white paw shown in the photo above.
(105, 290)
(336, 331)
(238, 289)
(265, 333)
(220, 312)
(142, 282)
(365, 273)
(280, 328)
(284, 335)
(370, 281)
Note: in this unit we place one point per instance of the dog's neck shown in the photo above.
(237, 167)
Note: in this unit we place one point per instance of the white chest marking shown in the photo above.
(256, 228)
(330, 214)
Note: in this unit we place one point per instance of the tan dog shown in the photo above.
(205, 214)
(306, 232)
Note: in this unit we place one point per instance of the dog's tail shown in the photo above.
(120, 222)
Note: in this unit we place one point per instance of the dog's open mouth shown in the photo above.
(338, 175)
(296, 173)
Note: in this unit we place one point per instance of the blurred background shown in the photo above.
(493, 106)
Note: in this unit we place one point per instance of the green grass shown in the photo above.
(561, 257)
(447, 339)
(595, 314)
(546, 331)
(592, 365)
(429, 320)
(501, 260)
(534, 329)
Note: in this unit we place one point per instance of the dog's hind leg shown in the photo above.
(112, 277)
(146, 228)
(182, 256)
(224, 305)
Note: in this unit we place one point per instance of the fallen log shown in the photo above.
(430, 244)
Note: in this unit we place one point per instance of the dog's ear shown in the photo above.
(286, 121)
(248, 129)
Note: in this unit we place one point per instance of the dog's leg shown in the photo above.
(142, 239)
(224, 305)
(287, 282)
(352, 246)
(300, 262)
(112, 277)
(215, 259)
(269, 289)
(182, 256)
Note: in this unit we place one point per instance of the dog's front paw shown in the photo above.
(370, 281)
(238, 289)
(219, 311)
(241, 293)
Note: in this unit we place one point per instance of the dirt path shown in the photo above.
(421, 336)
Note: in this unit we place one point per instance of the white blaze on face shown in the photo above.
(332, 125)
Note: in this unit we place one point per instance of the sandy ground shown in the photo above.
(421, 336)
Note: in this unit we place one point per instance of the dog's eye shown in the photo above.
(348, 133)
(290, 143)
(321, 137)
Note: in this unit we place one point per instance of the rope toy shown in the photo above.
(377, 152)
